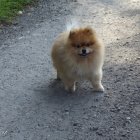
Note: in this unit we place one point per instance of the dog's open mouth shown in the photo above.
(84, 54)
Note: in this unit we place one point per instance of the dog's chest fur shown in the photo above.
(81, 71)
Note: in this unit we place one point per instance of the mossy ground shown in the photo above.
(10, 8)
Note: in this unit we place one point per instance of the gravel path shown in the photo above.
(33, 106)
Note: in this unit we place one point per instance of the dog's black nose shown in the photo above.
(84, 51)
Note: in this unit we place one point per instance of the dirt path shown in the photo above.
(35, 107)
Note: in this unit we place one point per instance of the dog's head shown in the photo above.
(82, 42)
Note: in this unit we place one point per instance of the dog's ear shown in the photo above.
(88, 30)
(72, 34)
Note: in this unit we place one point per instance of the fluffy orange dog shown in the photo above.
(79, 54)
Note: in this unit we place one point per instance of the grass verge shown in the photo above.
(10, 8)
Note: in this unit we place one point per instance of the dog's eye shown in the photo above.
(87, 44)
(78, 46)
(91, 43)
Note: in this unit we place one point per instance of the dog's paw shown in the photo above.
(73, 88)
(99, 88)
(70, 89)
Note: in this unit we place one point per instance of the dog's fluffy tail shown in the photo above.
(71, 25)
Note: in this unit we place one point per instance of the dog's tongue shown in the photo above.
(83, 54)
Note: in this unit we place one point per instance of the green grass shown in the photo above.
(10, 8)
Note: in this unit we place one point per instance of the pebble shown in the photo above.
(93, 128)
(85, 117)
(128, 118)
(75, 124)
(15, 23)
(94, 115)
(126, 43)
(29, 14)
(99, 133)
(4, 133)
(115, 109)
(20, 12)
(32, 9)
(66, 111)
(112, 128)
(123, 134)
(131, 103)
(20, 37)
(130, 69)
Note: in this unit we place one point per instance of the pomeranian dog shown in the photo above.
(79, 54)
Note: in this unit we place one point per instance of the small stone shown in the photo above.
(20, 12)
(4, 132)
(112, 128)
(66, 111)
(107, 94)
(94, 115)
(75, 124)
(118, 108)
(123, 135)
(128, 118)
(32, 9)
(15, 23)
(96, 100)
(115, 109)
(29, 14)
(93, 128)
(99, 133)
(126, 43)
(131, 103)
(20, 37)
(85, 117)
(130, 69)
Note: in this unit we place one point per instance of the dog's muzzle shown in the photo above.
(84, 52)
